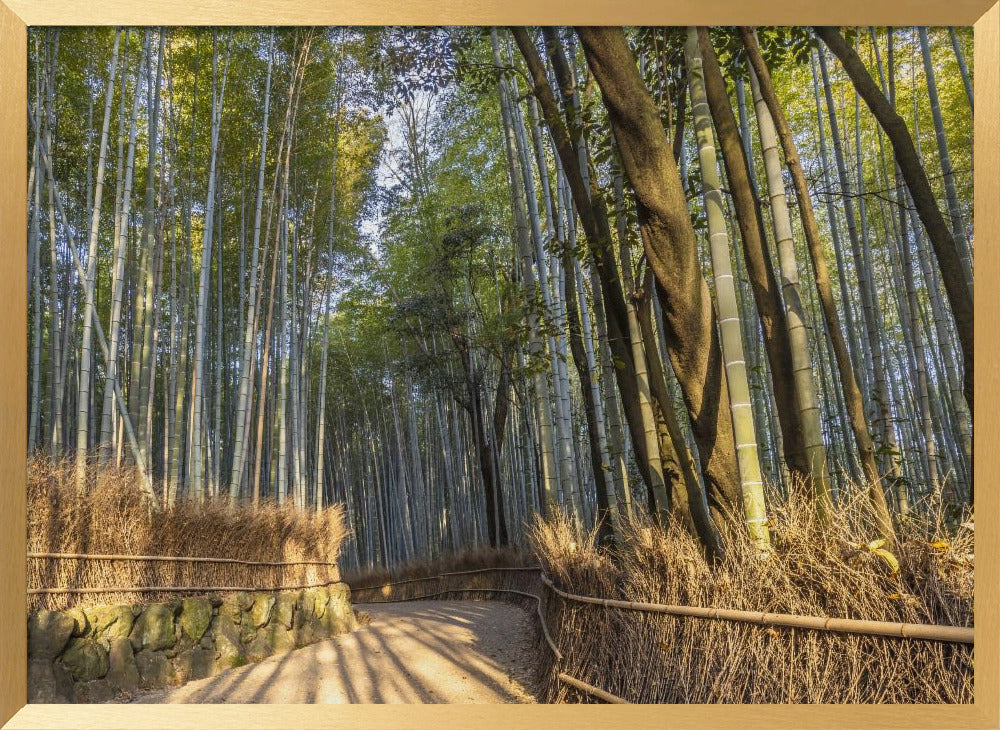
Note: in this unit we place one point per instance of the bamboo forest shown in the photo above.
(682, 315)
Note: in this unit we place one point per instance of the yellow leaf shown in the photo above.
(876, 544)
(889, 559)
(939, 544)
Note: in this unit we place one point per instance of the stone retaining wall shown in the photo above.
(100, 653)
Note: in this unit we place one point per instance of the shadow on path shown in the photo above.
(419, 652)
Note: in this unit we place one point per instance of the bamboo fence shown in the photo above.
(56, 580)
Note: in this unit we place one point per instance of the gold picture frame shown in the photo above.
(16, 15)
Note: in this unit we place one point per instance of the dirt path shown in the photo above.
(420, 652)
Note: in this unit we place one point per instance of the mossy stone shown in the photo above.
(260, 613)
(110, 622)
(339, 619)
(154, 628)
(195, 663)
(230, 608)
(284, 609)
(48, 634)
(122, 672)
(279, 638)
(195, 617)
(96, 691)
(315, 600)
(228, 644)
(340, 592)
(154, 668)
(85, 659)
(48, 682)
(259, 647)
(81, 625)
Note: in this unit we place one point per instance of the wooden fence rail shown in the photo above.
(534, 568)
(171, 559)
(177, 589)
(924, 632)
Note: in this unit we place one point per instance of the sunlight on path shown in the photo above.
(425, 652)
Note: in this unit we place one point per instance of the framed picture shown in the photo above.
(498, 355)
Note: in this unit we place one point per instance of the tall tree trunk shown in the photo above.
(798, 338)
(118, 270)
(593, 217)
(751, 479)
(608, 520)
(954, 209)
(962, 67)
(102, 342)
(529, 282)
(34, 279)
(83, 404)
(670, 245)
(659, 504)
(57, 324)
(197, 476)
(147, 357)
(246, 357)
(857, 357)
(321, 400)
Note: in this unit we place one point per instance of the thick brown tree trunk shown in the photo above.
(687, 496)
(671, 249)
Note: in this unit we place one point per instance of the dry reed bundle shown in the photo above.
(421, 577)
(835, 569)
(113, 518)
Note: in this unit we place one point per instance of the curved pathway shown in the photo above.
(415, 652)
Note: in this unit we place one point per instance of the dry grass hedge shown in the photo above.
(408, 581)
(818, 570)
(112, 517)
